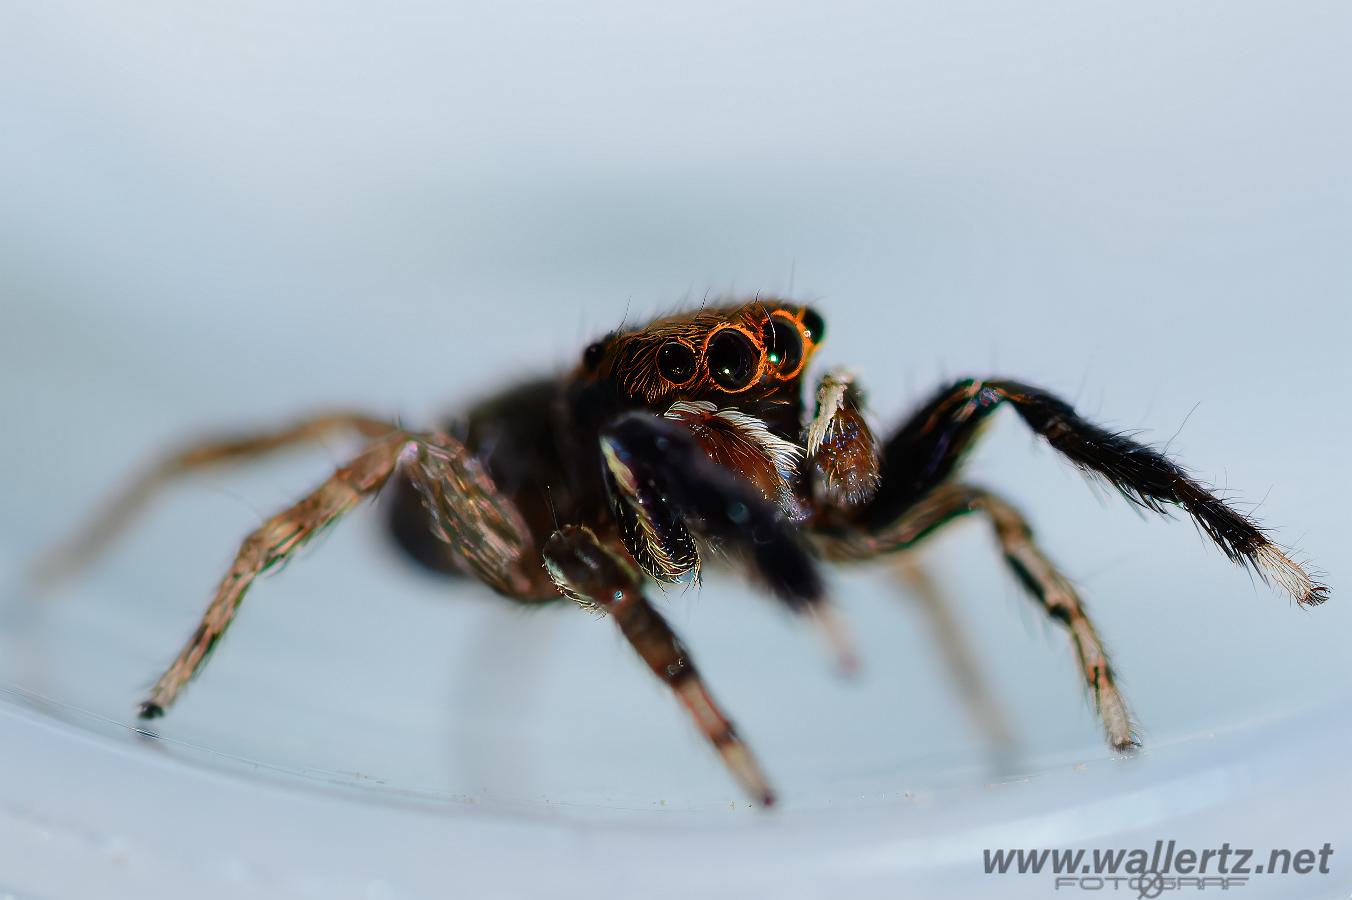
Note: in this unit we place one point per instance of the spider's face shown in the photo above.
(745, 352)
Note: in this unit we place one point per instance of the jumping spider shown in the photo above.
(687, 434)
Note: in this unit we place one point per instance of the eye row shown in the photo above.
(735, 358)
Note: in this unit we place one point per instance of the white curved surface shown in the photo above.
(218, 217)
(83, 821)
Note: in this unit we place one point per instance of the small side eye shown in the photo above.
(676, 362)
(591, 357)
(783, 345)
(734, 361)
(813, 325)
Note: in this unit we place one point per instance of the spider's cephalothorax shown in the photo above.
(749, 353)
(688, 435)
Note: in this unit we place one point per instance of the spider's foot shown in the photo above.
(746, 770)
(835, 633)
(1317, 594)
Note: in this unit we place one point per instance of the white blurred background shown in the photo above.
(230, 214)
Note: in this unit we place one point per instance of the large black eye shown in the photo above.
(733, 360)
(676, 362)
(783, 344)
(591, 357)
(814, 326)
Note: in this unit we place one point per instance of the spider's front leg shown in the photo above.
(601, 579)
(665, 488)
(926, 450)
(915, 499)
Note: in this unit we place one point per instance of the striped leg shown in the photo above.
(1035, 572)
(464, 508)
(85, 545)
(270, 544)
(600, 579)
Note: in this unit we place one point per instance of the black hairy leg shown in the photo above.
(663, 486)
(1044, 583)
(602, 580)
(925, 451)
(665, 489)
